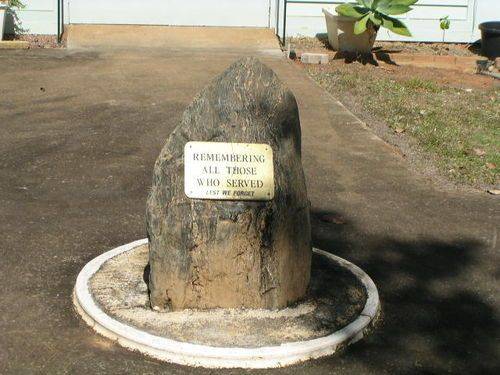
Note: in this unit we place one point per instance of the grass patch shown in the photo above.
(460, 128)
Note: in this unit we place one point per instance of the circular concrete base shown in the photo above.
(111, 296)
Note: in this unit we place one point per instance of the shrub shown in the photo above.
(377, 13)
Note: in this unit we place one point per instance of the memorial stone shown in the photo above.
(228, 213)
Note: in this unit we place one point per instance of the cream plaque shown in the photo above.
(229, 171)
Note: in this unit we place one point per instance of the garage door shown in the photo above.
(251, 13)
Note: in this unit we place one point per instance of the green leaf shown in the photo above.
(375, 18)
(395, 25)
(444, 23)
(397, 9)
(349, 10)
(15, 4)
(383, 4)
(360, 25)
(394, 6)
(364, 3)
(403, 2)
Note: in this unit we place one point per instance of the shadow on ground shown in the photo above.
(378, 54)
(365, 58)
(430, 312)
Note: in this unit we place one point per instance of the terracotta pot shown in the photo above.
(341, 34)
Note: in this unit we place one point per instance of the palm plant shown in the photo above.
(374, 14)
(10, 8)
(13, 3)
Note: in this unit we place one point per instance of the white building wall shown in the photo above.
(485, 10)
(38, 17)
(306, 18)
(41, 16)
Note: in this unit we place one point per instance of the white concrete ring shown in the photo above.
(220, 357)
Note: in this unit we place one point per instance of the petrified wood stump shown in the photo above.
(213, 253)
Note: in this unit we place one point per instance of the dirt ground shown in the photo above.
(37, 41)
(449, 78)
(447, 155)
(320, 44)
(120, 289)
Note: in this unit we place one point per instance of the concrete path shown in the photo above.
(79, 135)
(184, 38)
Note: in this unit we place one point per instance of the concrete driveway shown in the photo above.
(79, 134)
(174, 38)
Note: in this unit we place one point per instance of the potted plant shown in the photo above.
(490, 39)
(356, 26)
(5, 6)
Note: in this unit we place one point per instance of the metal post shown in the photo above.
(60, 20)
(278, 18)
(284, 22)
